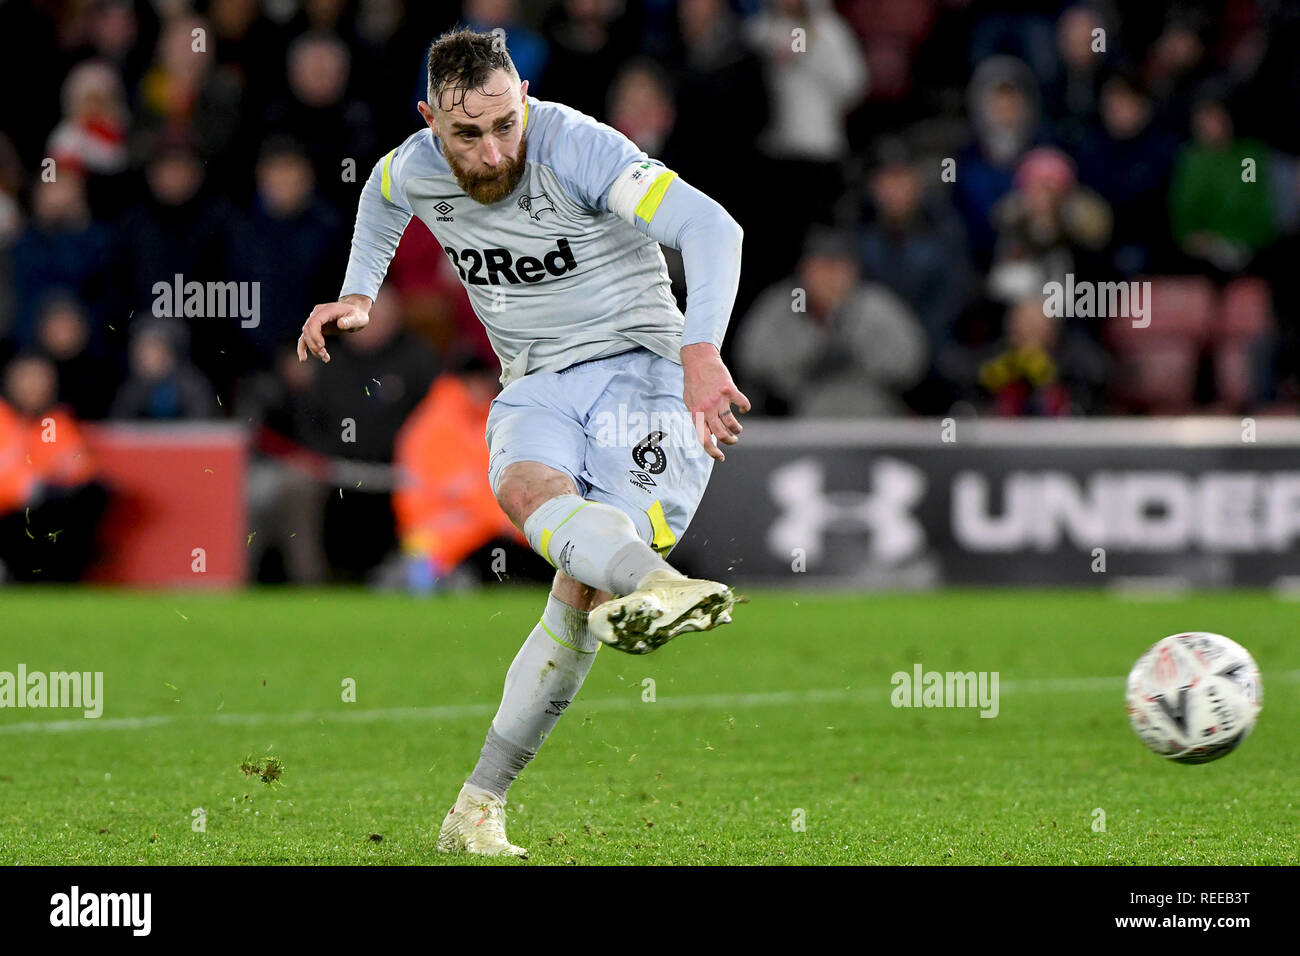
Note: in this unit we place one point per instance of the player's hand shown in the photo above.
(349, 315)
(709, 394)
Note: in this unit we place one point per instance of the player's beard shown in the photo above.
(487, 189)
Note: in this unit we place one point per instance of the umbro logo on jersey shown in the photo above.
(494, 266)
(536, 205)
(442, 209)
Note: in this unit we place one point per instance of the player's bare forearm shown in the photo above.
(709, 393)
(351, 313)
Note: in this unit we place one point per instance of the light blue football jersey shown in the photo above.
(554, 273)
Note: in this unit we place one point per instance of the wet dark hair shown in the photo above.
(462, 60)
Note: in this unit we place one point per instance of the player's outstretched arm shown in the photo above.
(675, 213)
(382, 217)
(349, 314)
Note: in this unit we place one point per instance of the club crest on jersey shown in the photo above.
(536, 205)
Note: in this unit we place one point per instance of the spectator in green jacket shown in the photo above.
(1219, 203)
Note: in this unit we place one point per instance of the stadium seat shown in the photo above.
(1156, 365)
(890, 31)
(1245, 313)
(906, 21)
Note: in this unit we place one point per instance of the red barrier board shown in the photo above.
(176, 517)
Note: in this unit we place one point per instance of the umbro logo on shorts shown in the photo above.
(494, 266)
(641, 480)
(650, 459)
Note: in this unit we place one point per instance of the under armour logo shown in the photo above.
(808, 511)
(536, 205)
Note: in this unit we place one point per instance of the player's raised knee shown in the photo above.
(527, 485)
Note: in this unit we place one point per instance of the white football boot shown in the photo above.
(477, 824)
(665, 605)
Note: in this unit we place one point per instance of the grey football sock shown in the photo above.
(499, 763)
(543, 680)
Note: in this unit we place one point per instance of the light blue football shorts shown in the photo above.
(619, 428)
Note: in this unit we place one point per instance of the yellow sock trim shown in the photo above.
(546, 533)
(560, 640)
(664, 539)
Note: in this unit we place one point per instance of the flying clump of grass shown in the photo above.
(269, 770)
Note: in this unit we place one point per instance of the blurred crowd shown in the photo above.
(910, 175)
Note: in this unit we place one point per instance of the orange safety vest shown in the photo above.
(443, 504)
(49, 449)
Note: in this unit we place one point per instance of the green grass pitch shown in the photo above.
(782, 717)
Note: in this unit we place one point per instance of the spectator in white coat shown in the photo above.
(815, 77)
(823, 343)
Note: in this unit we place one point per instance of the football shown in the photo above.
(1194, 697)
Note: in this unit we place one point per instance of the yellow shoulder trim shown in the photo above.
(386, 180)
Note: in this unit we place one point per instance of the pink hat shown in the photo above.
(1045, 166)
